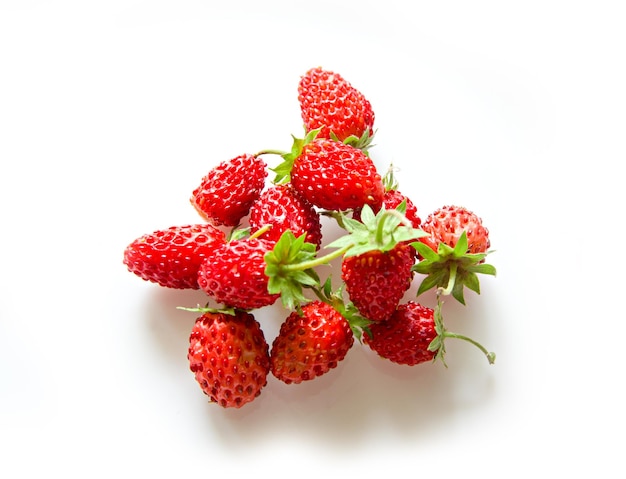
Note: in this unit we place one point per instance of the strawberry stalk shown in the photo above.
(438, 345)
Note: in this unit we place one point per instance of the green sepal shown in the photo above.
(207, 309)
(363, 143)
(283, 169)
(450, 270)
(285, 280)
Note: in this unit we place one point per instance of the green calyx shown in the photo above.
(437, 345)
(451, 269)
(283, 169)
(363, 143)
(381, 231)
(207, 309)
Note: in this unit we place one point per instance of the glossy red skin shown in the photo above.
(310, 345)
(376, 281)
(284, 209)
(336, 176)
(229, 357)
(446, 224)
(404, 337)
(234, 274)
(329, 102)
(227, 192)
(172, 257)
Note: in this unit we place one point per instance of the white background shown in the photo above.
(110, 113)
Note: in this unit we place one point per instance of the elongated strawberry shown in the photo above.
(227, 192)
(229, 357)
(284, 209)
(310, 343)
(414, 334)
(172, 257)
(330, 102)
(233, 274)
(453, 253)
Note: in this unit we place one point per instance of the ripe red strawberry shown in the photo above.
(233, 274)
(310, 344)
(172, 257)
(229, 357)
(329, 102)
(404, 338)
(377, 280)
(446, 224)
(284, 209)
(336, 176)
(453, 252)
(227, 192)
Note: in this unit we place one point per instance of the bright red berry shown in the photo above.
(227, 192)
(404, 337)
(310, 344)
(229, 357)
(172, 257)
(284, 209)
(233, 274)
(377, 280)
(336, 176)
(329, 102)
(446, 224)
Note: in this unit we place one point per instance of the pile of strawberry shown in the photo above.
(260, 241)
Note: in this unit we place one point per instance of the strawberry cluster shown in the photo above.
(260, 241)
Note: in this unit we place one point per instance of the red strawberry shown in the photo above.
(227, 192)
(229, 357)
(233, 274)
(329, 102)
(453, 252)
(377, 280)
(336, 176)
(284, 209)
(404, 338)
(446, 224)
(172, 257)
(310, 344)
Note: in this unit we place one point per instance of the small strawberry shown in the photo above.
(229, 357)
(377, 269)
(414, 334)
(284, 209)
(233, 274)
(404, 338)
(329, 102)
(310, 343)
(227, 192)
(446, 224)
(171, 257)
(453, 252)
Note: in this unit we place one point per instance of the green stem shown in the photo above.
(260, 231)
(491, 356)
(451, 280)
(271, 152)
(317, 261)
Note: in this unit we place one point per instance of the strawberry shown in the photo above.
(377, 280)
(329, 102)
(405, 337)
(453, 252)
(229, 357)
(227, 192)
(233, 274)
(310, 343)
(336, 176)
(446, 224)
(377, 268)
(284, 209)
(414, 334)
(172, 257)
